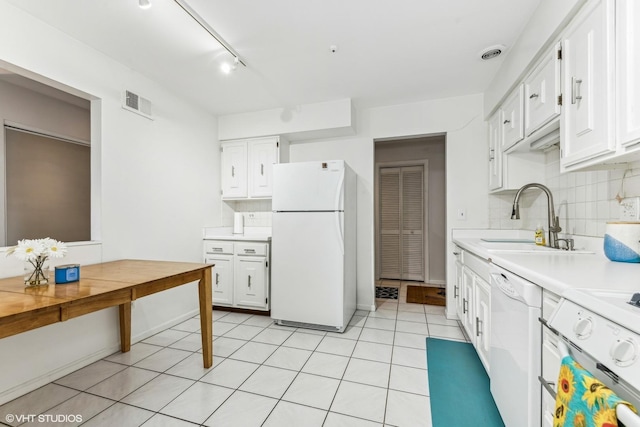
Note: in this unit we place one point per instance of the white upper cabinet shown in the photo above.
(628, 72)
(513, 118)
(247, 166)
(495, 152)
(510, 170)
(234, 170)
(263, 153)
(541, 92)
(588, 85)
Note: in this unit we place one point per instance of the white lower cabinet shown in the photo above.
(222, 279)
(467, 302)
(251, 282)
(474, 302)
(457, 290)
(241, 273)
(551, 359)
(482, 307)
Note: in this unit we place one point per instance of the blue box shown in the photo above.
(67, 273)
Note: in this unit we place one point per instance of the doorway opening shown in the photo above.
(410, 205)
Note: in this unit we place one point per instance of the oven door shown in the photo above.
(563, 348)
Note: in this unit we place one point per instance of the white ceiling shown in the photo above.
(389, 52)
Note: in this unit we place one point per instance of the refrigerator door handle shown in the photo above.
(339, 194)
(339, 230)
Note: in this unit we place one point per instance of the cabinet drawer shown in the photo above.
(218, 247)
(251, 249)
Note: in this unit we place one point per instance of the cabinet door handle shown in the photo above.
(491, 157)
(249, 280)
(478, 322)
(216, 249)
(533, 95)
(249, 251)
(464, 306)
(575, 90)
(455, 292)
(262, 169)
(456, 253)
(233, 171)
(217, 278)
(506, 121)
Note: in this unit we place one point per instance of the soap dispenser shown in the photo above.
(539, 236)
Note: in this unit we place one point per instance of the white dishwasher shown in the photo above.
(515, 351)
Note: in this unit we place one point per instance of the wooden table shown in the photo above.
(101, 286)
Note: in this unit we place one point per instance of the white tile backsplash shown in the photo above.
(257, 213)
(584, 201)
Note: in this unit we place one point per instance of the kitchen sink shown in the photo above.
(523, 246)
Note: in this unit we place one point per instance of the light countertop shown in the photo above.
(559, 271)
(253, 234)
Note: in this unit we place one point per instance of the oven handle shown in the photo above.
(623, 412)
(547, 385)
(627, 416)
(545, 323)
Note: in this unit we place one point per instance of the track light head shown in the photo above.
(227, 68)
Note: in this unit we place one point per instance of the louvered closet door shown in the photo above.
(390, 261)
(412, 223)
(401, 223)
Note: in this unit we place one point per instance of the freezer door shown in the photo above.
(307, 268)
(308, 186)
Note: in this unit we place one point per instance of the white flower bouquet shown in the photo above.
(35, 252)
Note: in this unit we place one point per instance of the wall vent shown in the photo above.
(137, 104)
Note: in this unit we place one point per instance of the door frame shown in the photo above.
(425, 201)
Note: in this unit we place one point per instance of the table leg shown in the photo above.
(125, 326)
(206, 317)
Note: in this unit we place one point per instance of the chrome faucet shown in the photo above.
(553, 220)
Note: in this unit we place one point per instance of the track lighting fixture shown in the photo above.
(193, 14)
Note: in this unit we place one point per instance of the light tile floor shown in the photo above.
(374, 374)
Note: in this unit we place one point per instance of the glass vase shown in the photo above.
(36, 272)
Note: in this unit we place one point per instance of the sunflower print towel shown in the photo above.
(582, 400)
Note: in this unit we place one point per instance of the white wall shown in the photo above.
(459, 118)
(158, 185)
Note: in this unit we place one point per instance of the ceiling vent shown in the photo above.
(492, 52)
(137, 104)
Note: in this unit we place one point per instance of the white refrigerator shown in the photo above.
(313, 245)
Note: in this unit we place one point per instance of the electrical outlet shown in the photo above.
(630, 209)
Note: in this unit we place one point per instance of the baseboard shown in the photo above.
(451, 314)
(366, 307)
(24, 388)
(34, 383)
(166, 325)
